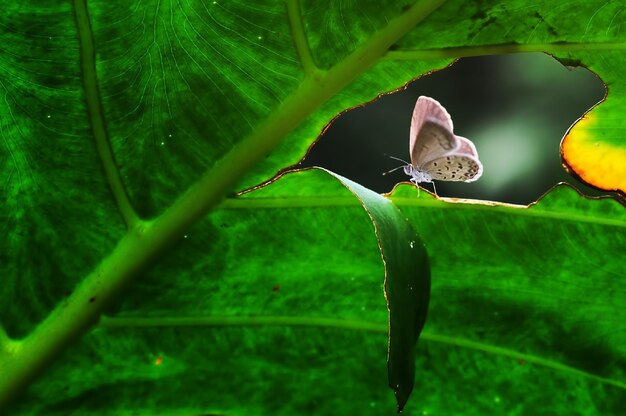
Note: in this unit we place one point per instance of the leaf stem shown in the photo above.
(300, 39)
(505, 352)
(145, 241)
(351, 324)
(467, 51)
(501, 208)
(221, 321)
(522, 210)
(96, 114)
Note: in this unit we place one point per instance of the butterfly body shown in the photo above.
(417, 175)
(436, 152)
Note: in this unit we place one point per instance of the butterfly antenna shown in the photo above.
(393, 170)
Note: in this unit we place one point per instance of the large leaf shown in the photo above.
(252, 326)
(527, 305)
(144, 115)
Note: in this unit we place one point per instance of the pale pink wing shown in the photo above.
(431, 131)
(433, 140)
(461, 164)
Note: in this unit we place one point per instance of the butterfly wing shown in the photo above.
(425, 108)
(436, 150)
(460, 164)
(433, 140)
(431, 132)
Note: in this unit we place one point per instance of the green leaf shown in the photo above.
(307, 301)
(149, 93)
(407, 286)
(123, 124)
(526, 309)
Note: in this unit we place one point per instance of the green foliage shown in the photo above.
(526, 305)
(130, 285)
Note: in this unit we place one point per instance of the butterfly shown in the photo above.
(436, 152)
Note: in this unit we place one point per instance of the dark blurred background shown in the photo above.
(515, 108)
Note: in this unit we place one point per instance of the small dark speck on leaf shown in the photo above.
(552, 30)
(405, 8)
(521, 362)
(479, 15)
(276, 288)
(92, 299)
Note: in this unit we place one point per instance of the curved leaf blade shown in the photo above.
(407, 286)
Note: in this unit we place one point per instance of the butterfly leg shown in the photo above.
(415, 182)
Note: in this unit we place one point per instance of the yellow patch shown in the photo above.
(598, 163)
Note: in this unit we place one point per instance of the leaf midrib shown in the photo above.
(96, 117)
(343, 201)
(349, 324)
(500, 49)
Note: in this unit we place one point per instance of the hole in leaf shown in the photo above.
(516, 109)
